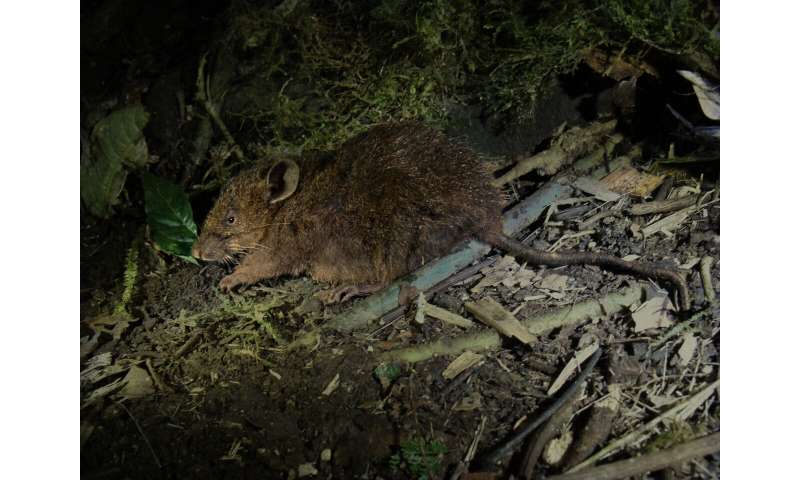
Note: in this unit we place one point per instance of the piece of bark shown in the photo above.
(708, 282)
(546, 432)
(597, 429)
(596, 188)
(676, 413)
(444, 315)
(663, 206)
(565, 149)
(650, 462)
(629, 180)
(462, 362)
(488, 311)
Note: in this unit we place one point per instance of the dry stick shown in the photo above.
(597, 217)
(568, 146)
(204, 95)
(190, 344)
(650, 462)
(463, 466)
(508, 447)
(548, 431)
(464, 274)
(596, 429)
(708, 282)
(552, 156)
(540, 323)
(571, 213)
(663, 206)
(156, 378)
(641, 432)
(603, 260)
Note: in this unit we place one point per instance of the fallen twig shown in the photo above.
(204, 95)
(663, 206)
(597, 217)
(548, 431)
(680, 410)
(708, 281)
(462, 275)
(488, 311)
(443, 314)
(191, 343)
(568, 315)
(463, 466)
(566, 148)
(597, 428)
(508, 446)
(156, 378)
(650, 462)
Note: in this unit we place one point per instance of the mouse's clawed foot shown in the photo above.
(229, 282)
(346, 292)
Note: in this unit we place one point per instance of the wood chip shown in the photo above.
(442, 314)
(628, 180)
(595, 187)
(556, 449)
(488, 311)
(688, 347)
(654, 313)
(462, 362)
(571, 366)
(669, 224)
(332, 386)
(554, 282)
(494, 275)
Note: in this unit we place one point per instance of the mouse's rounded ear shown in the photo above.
(282, 180)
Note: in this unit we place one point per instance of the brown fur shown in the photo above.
(387, 202)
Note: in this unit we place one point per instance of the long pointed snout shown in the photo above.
(196, 250)
(209, 248)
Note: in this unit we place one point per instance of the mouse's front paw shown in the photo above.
(229, 282)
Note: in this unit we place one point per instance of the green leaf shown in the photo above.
(169, 215)
(116, 145)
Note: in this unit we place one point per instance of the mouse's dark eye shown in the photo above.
(231, 220)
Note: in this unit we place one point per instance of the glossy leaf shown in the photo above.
(169, 215)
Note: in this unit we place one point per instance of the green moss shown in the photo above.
(129, 276)
(673, 26)
(328, 70)
(419, 459)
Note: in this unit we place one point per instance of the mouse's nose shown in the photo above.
(196, 250)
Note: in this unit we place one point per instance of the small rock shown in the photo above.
(325, 456)
(306, 470)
